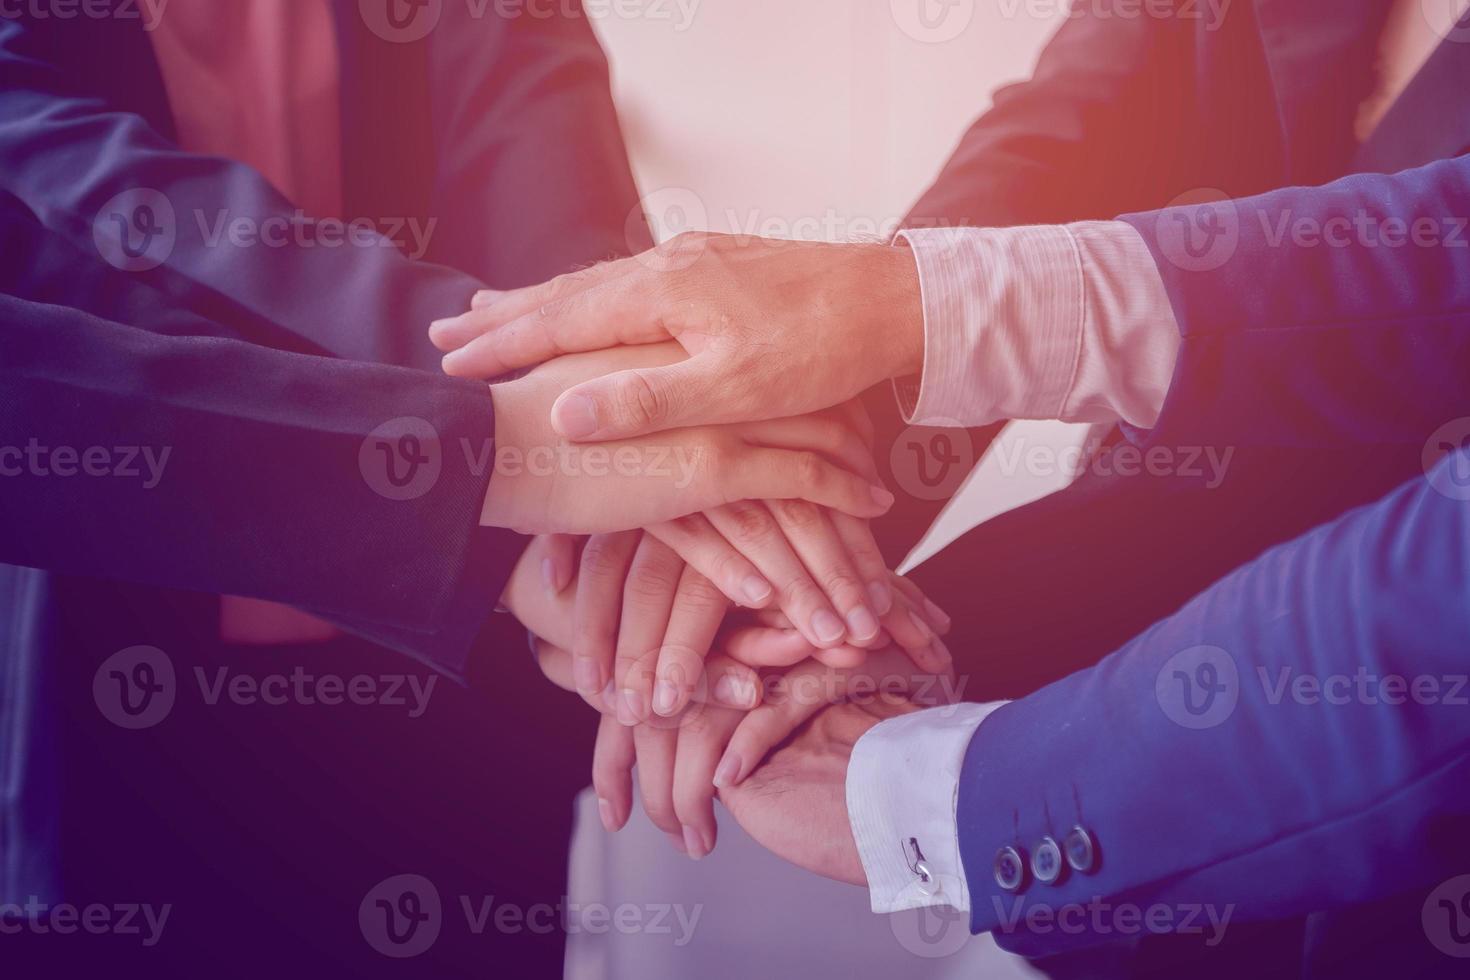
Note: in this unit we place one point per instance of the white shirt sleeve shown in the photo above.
(1065, 322)
(902, 783)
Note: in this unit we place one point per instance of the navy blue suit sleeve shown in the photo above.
(1294, 739)
(213, 465)
(1323, 316)
(68, 154)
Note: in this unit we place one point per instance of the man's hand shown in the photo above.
(795, 805)
(542, 484)
(773, 329)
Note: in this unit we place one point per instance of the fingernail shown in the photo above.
(438, 327)
(484, 298)
(827, 627)
(586, 675)
(665, 696)
(630, 708)
(862, 624)
(921, 625)
(605, 813)
(757, 590)
(882, 497)
(734, 693)
(678, 843)
(694, 844)
(939, 616)
(882, 597)
(727, 774)
(576, 416)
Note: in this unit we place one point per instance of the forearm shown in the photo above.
(124, 444)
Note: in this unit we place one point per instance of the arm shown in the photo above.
(67, 154)
(279, 446)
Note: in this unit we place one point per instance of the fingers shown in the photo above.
(826, 432)
(705, 549)
(937, 617)
(612, 773)
(751, 527)
(643, 401)
(780, 474)
(794, 698)
(699, 609)
(656, 747)
(857, 538)
(762, 646)
(513, 323)
(598, 608)
(822, 551)
(648, 599)
(701, 743)
(559, 564)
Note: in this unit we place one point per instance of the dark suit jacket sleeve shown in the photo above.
(68, 154)
(263, 478)
(1354, 331)
(1209, 771)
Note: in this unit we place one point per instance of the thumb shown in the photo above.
(636, 403)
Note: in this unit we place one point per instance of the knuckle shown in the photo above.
(752, 522)
(601, 559)
(691, 800)
(809, 469)
(698, 590)
(800, 516)
(642, 403)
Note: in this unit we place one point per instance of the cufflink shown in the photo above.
(1010, 869)
(928, 883)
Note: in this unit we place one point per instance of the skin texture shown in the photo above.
(773, 329)
(543, 484)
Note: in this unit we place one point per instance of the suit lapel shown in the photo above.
(1321, 54)
(1431, 119)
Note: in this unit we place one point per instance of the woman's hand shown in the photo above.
(543, 484)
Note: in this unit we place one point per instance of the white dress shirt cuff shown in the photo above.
(1064, 322)
(902, 783)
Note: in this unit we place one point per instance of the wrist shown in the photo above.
(506, 497)
(900, 311)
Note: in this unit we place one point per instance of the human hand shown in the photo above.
(795, 805)
(774, 329)
(681, 760)
(543, 484)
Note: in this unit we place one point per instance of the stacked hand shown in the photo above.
(725, 602)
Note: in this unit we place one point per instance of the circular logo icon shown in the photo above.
(1447, 459)
(934, 931)
(667, 214)
(932, 462)
(401, 21)
(135, 688)
(933, 21)
(401, 459)
(1199, 231)
(1446, 917)
(136, 230)
(1448, 19)
(1199, 687)
(401, 916)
